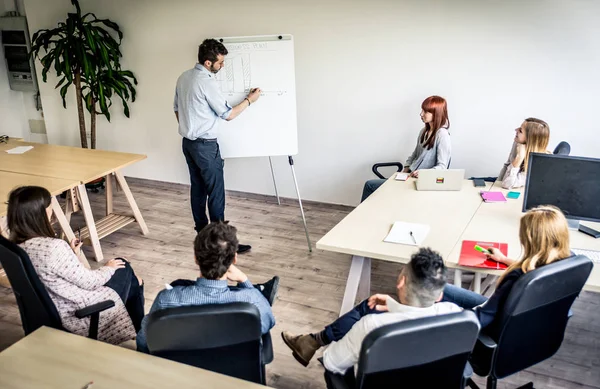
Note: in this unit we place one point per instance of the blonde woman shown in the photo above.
(531, 137)
(544, 236)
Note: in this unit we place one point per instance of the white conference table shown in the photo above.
(499, 222)
(453, 216)
(361, 233)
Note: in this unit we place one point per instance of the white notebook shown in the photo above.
(402, 176)
(19, 150)
(401, 233)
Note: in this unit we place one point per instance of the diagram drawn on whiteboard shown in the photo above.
(236, 76)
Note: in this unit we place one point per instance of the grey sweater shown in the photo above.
(438, 157)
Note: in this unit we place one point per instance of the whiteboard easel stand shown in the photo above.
(291, 161)
(274, 182)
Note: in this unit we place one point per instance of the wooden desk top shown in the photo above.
(73, 163)
(362, 232)
(49, 358)
(9, 181)
(499, 222)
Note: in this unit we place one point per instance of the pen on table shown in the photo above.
(88, 385)
(413, 237)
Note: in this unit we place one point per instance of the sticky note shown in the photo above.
(513, 195)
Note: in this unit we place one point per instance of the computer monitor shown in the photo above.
(569, 183)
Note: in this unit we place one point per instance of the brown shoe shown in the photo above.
(303, 346)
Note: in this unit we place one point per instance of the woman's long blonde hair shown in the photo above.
(537, 135)
(544, 235)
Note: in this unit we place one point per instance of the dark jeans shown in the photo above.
(336, 330)
(462, 297)
(205, 164)
(126, 284)
(370, 187)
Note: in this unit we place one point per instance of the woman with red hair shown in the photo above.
(433, 149)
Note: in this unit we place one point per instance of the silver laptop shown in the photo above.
(436, 179)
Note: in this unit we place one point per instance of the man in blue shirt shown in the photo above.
(215, 251)
(200, 107)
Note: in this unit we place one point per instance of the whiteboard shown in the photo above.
(268, 127)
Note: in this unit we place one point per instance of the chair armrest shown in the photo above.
(483, 355)
(267, 349)
(94, 312)
(385, 164)
(96, 308)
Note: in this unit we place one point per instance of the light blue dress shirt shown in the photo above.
(199, 104)
(204, 292)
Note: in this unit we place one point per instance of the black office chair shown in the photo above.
(225, 338)
(385, 164)
(563, 148)
(35, 306)
(532, 323)
(424, 353)
(375, 168)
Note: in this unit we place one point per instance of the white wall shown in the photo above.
(362, 70)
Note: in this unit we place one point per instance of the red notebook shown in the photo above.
(473, 258)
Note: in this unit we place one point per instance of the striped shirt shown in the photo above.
(205, 292)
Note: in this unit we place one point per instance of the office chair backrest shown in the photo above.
(225, 338)
(563, 148)
(35, 306)
(533, 321)
(432, 352)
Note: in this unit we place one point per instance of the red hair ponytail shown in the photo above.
(437, 106)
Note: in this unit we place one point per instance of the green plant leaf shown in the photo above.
(62, 80)
(63, 93)
(76, 4)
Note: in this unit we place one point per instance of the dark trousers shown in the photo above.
(336, 330)
(206, 176)
(126, 284)
(370, 187)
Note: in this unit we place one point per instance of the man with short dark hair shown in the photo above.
(200, 107)
(420, 284)
(215, 251)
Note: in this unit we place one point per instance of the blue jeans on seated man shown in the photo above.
(370, 187)
(462, 297)
(336, 330)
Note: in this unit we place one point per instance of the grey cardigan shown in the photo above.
(438, 157)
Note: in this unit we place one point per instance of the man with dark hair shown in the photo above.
(420, 284)
(199, 108)
(215, 251)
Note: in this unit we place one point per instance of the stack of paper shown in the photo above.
(19, 150)
(407, 233)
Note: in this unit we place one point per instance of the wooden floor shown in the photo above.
(312, 284)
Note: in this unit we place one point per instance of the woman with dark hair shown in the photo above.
(70, 285)
(433, 149)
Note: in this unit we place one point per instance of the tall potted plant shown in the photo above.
(84, 53)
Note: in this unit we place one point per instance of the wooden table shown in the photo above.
(53, 359)
(82, 166)
(361, 233)
(56, 186)
(499, 222)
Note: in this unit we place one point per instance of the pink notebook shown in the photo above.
(493, 197)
